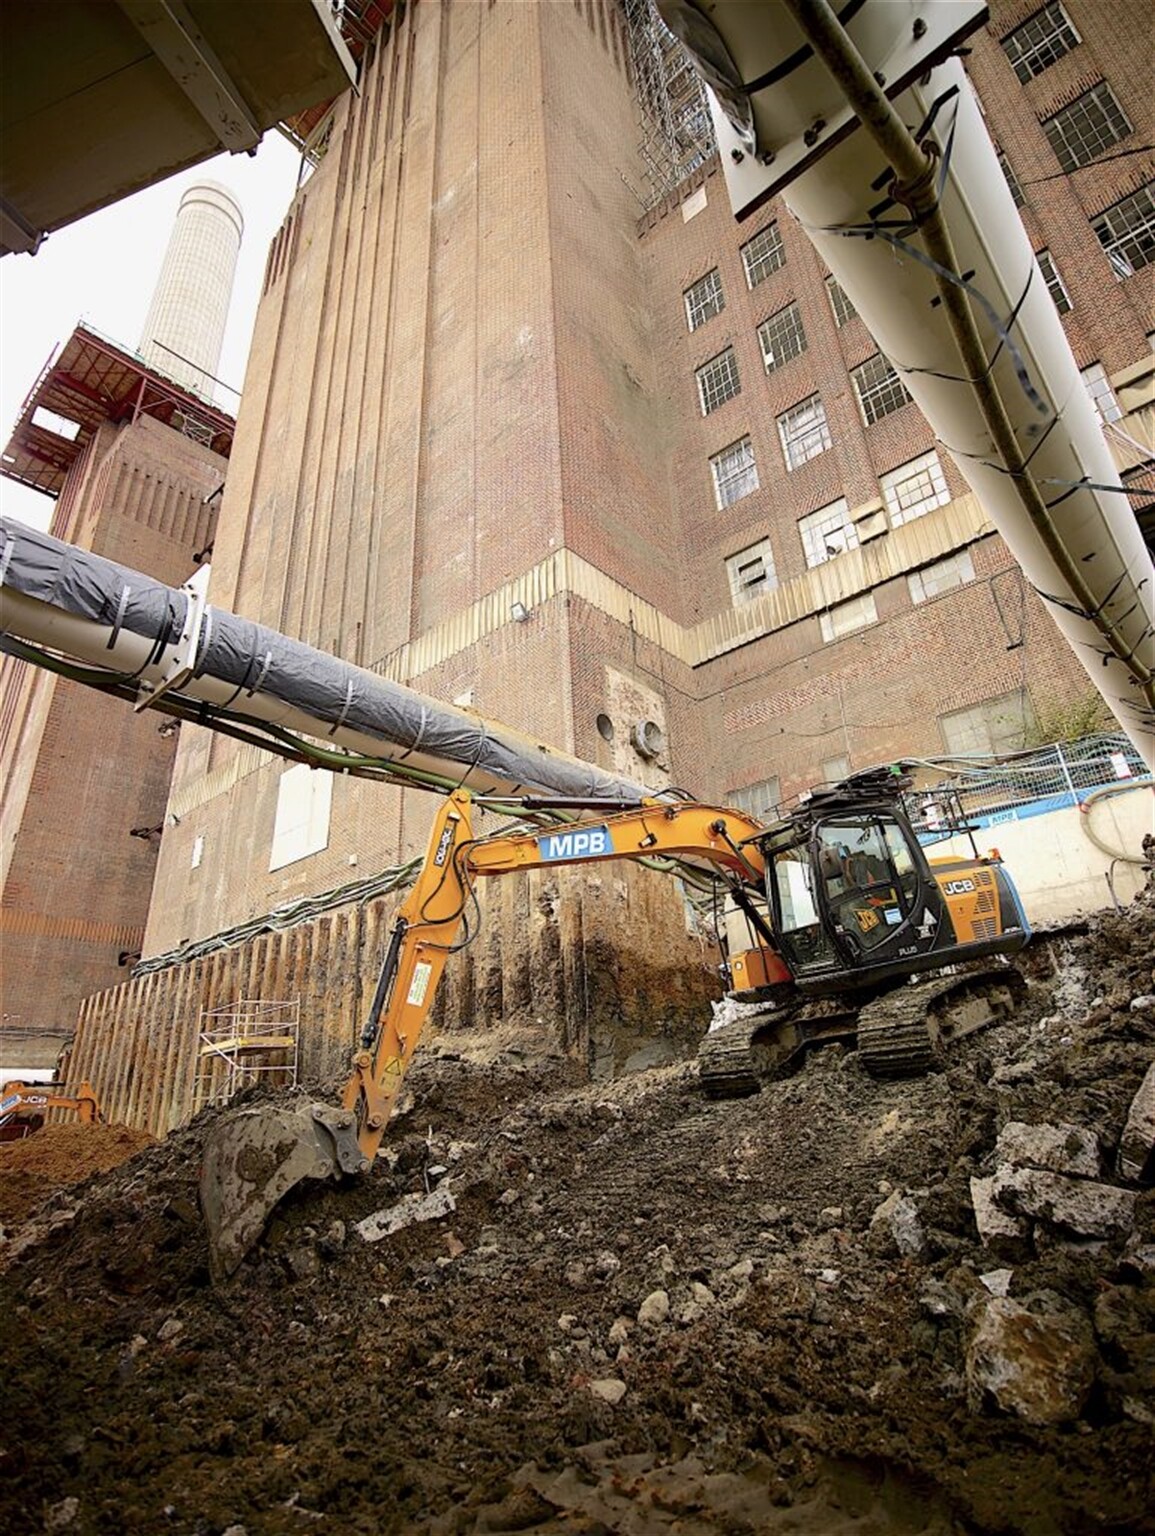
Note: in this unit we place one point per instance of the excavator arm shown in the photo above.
(252, 1158)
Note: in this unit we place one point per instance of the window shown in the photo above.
(954, 571)
(1011, 179)
(1043, 38)
(718, 381)
(704, 300)
(1054, 282)
(804, 432)
(782, 337)
(843, 309)
(827, 532)
(1126, 232)
(1087, 127)
(763, 255)
(751, 573)
(757, 800)
(735, 473)
(304, 800)
(993, 727)
(879, 389)
(835, 769)
(1107, 408)
(845, 618)
(914, 489)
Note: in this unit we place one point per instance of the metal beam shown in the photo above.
(16, 234)
(181, 47)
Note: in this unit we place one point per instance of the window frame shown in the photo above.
(725, 479)
(710, 388)
(820, 430)
(742, 593)
(793, 330)
(1056, 287)
(880, 392)
(815, 535)
(1113, 248)
(832, 630)
(836, 295)
(959, 561)
(774, 258)
(697, 314)
(1029, 60)
(1095, 374)
(1064, 141)
(927, 463)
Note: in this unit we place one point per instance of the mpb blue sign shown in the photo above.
(589, 843)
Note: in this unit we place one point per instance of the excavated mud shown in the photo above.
(646, 1312)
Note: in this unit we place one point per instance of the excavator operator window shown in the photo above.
(799, 925)
(861, 883)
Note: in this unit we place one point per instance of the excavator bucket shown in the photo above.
(253, 1157)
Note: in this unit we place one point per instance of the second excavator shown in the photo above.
(844, 913)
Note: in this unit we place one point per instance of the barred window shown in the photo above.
(735, 473)
(1107, 408)
(879, 389)
(757, 800)
(1055, 285)
(1011, 179)
(782, 337)
(1087, 127)
(843, 309)
(1126, 232)
(1042, 38)
(835, 769)
(718, 381)
(845, 618)
(751, 572)
(955, 571)
(803, 432)
(763, 255)
(914, 489)
(704, 299)
(827, 532)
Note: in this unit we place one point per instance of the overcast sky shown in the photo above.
(103, 270)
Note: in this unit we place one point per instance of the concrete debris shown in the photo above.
(655, 1309)
(997, 1281)
(898, 1216)
(409, 1210)
(1058, 1148)
(58, 1517)
(996, 1227)
(1137, 1147)
(1144, 1003)
(610, 1390)
(1034, 1358)
(1077, 1206)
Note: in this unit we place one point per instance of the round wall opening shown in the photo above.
(605, 727)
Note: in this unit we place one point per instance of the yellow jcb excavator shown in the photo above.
(22, 1106)
(842, 906)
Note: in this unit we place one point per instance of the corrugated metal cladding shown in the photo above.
(904, 549)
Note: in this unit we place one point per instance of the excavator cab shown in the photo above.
(856, 902)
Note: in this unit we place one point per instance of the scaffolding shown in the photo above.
(245, 1043)
(677, 134)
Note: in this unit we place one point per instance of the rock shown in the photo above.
(898, 1216)
(1144, 1003)
(1137, 1147)
(611, 1390)
(408, 1210)
(655, 1309)
(997, 1228)
(567, 1321)
(997, 1281)
(1035, 1358)
(575, 1274)
(1059, 1148)
(619, 1330)
(169, 1329)
(607, 1265)
(304, 1263)
(58, 1517)
(1078, 1206)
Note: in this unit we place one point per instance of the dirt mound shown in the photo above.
(641, 1311)
(56, 1156)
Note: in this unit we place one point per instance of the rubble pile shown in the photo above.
(561, 1306)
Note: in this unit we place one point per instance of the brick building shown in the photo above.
(135, 463)
(628, 477)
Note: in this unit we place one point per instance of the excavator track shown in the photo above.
(905, 1033)
(736, 1059)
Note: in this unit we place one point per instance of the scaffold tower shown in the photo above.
(245, 1043)
(677, 135)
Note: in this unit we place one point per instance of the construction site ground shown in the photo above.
(644, 1312)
